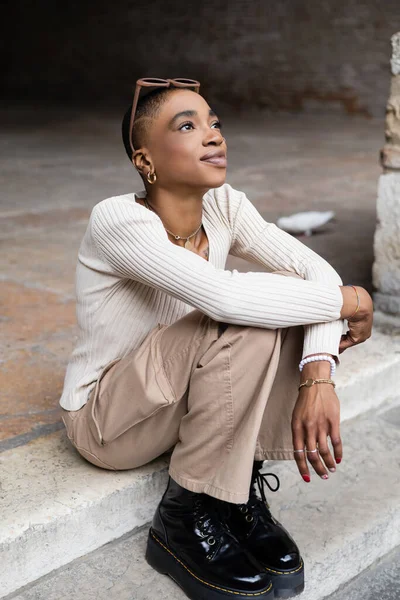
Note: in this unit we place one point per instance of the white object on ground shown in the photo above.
(305, 222)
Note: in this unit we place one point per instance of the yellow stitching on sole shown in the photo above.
(285, 572)
(206, 582)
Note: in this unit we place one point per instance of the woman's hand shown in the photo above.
(316, 416)
(360, 326)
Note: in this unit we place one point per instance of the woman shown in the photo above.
(176, 353)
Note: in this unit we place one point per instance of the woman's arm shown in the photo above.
(316, 415)
(258, 241)
(133, 243)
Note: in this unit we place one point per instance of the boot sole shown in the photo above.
(287, 585)
(164, 561)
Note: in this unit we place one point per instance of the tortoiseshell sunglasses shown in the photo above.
(147, 82)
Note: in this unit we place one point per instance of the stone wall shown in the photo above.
(386, 268)
(287, 54)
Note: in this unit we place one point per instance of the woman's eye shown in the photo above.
(182, 127)
(189, 125)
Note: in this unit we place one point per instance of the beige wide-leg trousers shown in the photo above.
(217, 395)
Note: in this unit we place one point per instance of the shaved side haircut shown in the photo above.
(147, 109)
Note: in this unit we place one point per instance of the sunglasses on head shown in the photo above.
(148, 82)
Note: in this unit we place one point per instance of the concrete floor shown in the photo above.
(56, 164)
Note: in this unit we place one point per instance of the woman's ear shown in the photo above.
(142, 161)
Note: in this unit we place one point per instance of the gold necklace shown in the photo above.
(188, 244)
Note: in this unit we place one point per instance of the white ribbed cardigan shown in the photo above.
(130, 277)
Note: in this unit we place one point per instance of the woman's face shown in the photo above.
(185, 131)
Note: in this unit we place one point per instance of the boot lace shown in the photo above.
(261, 479)
(207, 519)
(256, 504)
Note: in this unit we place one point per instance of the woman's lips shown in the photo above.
(218, 161)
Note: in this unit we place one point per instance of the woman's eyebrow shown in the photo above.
(188, 113)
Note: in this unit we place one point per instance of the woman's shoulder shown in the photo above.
(119, 201)
(123, 207)
(120, 213)
(224, 199)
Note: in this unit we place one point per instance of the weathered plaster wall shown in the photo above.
(386, 268)
(286, 54)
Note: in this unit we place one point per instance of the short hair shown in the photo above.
(148, 106)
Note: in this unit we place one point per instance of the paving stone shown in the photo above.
(30, 315)
(31, 383)
(52, 259)
(38, 332)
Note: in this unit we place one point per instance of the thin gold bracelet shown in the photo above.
(310, 382)
(358, 301)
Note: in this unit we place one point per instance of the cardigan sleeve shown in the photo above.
(259, 241)
(133, 244)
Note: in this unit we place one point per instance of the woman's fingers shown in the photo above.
(299, 452)
(312, 425)
(345, 343)
(351, 338)
(313, 455)
(336, 442)
(359, 331)
(325, 452)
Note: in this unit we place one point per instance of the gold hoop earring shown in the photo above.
(151, 177)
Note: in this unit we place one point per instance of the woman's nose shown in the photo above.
(214, 136)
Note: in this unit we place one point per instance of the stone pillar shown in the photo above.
(386, 268)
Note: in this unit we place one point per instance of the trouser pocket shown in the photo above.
(134, 390)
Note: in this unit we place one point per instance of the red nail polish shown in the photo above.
(306, 478)
(338, 461)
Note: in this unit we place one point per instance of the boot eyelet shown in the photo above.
(244, 509)
(199, 525)
(211, 540)
(249, 518)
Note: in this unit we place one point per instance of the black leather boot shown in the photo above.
(265, 538)
(188, 542)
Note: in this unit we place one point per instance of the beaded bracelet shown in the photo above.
(358, 300)
(319, 357)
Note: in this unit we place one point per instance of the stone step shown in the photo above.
(381, 581)
(342, 525)
(125, 575)
(56, 507)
